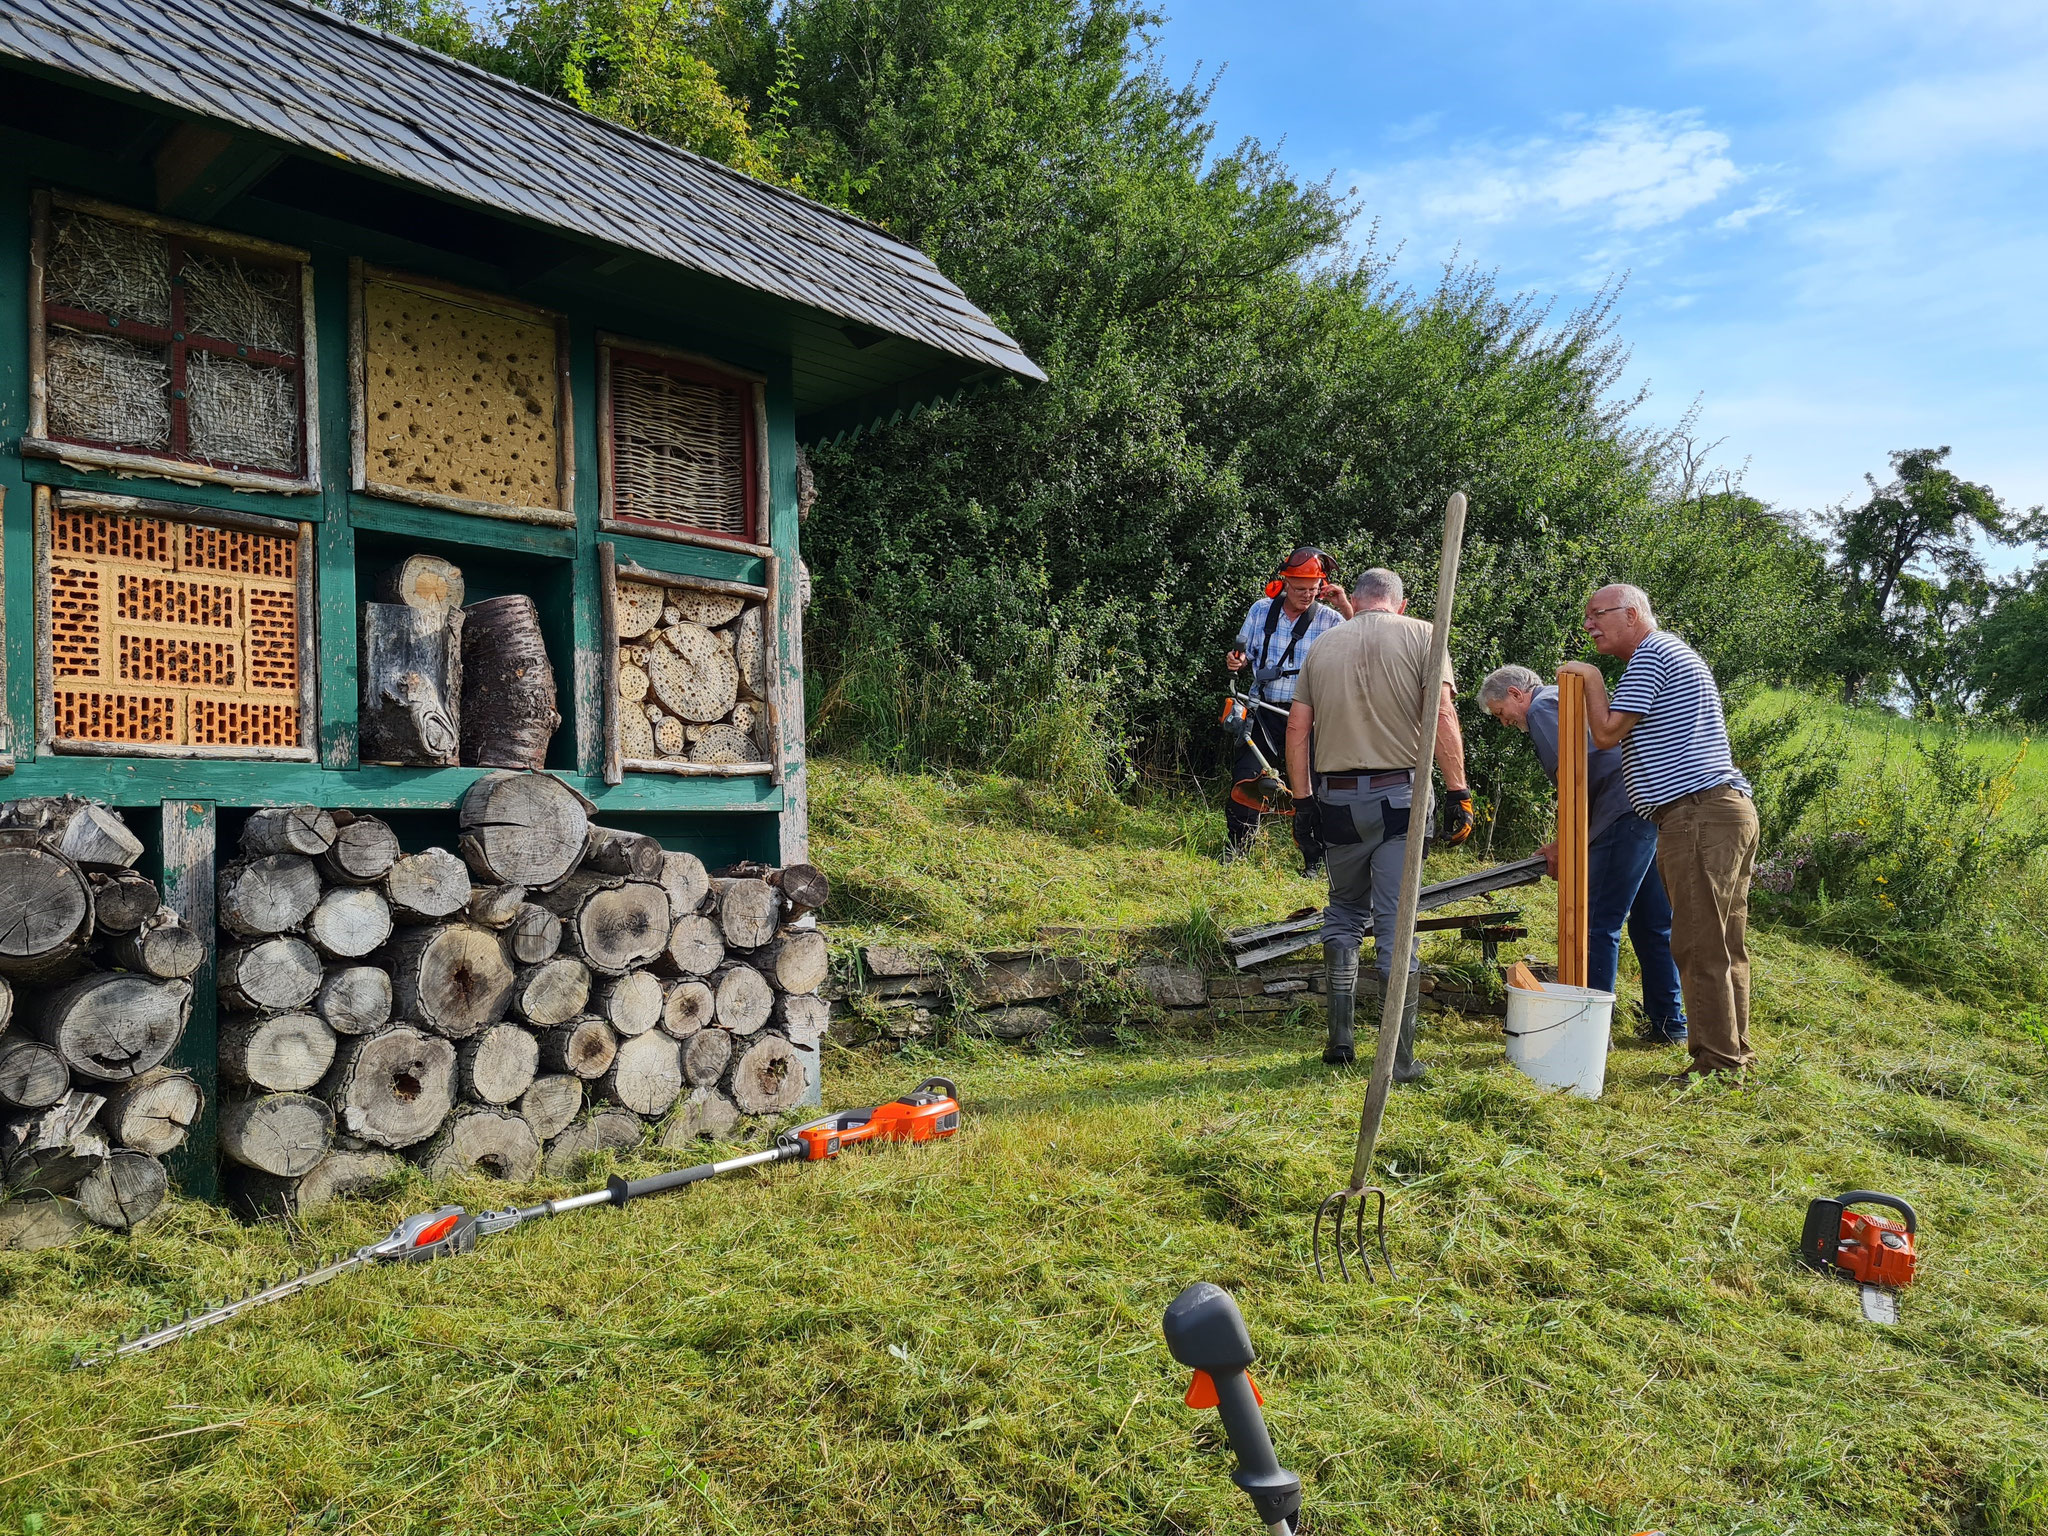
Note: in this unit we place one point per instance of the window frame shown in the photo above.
(695, 366)
(169, 464)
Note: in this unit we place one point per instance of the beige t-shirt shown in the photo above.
(1364, 680)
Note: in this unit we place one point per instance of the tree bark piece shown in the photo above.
(50, 1150)
(639, 608)
(688, 1006)
(750, 653)
(124, 1191)
(363, 852)
(523, 829)
(693, 674)
(304, 829)
(694, 605)
(797, 961)
(411, 686)
(270, 975)
(749, 912)
(427, 887)
(452, 979)
(427, 584)
(535, 934)
(113, 1026)
(153, 1113)
(612, 925)
(489, 1141)
(551, 993)
(695, 947)
(496, 1065)
(633, 855)
(582, 1048)
(46, 912)
(393, 1088)
(354, 999)
(168, 951)
(805, 1017)
(767, 1078)
(32, 1075)
(36, 1222)
(702, 1112)
(123, 902)
(496, 907)
(683, 877)
(646, 1076)
(705, 1055)
(745, 1000)
(285, 1053)
(508, 685)
(338, 1174)
(259, 897)
(609, 1130)
(551, 1103)
(6, 1004)
(631, 1004)
(280, 1133)
(349, 921)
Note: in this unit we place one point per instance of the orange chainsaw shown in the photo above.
(1874, 1251)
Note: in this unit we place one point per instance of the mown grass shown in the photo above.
(1598, 1325)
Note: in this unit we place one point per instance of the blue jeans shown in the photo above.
(1623, 887)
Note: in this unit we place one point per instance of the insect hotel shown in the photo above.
(404, 732)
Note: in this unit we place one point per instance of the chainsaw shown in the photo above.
(930, 1111)
(1874, 1251)
(1266, 794)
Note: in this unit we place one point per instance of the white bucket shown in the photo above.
(1558, 1036)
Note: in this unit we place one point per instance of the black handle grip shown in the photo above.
(623, 1190)
(1204, 1330)
(943, 1084)
(1872, 1197)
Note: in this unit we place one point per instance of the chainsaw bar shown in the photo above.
(1880, 1305)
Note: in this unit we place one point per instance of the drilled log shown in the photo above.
(280, 1133)
(683, 877)
(631, 1004)
(427, 887)
(535, 934)
(496, 907)
(337, 1175)
(750, 654)
(508, 685)
(124, 1191)
(285, 1053)
(612, 925)
(797, 961)
(634, 855)
(803, 1016)
(671, 736)
(350, 921)
(269, 976)
(393, 1088)
(767, 1077)
(744, 998)
(692, 673)
(694, 947)
(496, 1065)
(551, 1103)
(722, 744)
(259, 897)
(153, 1113)
(582, 1048)
(305, 829)
(427, 584)
(488, 1141)
(364, 851)
(551, 993)
(50, 1150)
(354, 999)
(523, 829)
(688, 1006)
(166, 950)
(646, 1076)
(113, 1026)
(702, 1112)
(608, 1130)
(46, 914)
(749, 911)
(452, 979)
(638, 607)
(705, 1055)
(32, 1074)
(123, 902)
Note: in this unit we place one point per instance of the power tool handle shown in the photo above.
(1891, 1202)
(1274, 1491)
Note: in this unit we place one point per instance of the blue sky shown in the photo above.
(1832, 216)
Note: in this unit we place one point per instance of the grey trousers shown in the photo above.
(1365, 876)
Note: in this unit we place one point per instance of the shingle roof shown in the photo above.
(295, 73)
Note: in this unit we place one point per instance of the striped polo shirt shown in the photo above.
(1680, 746)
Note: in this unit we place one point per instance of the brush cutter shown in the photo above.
(1267, 794)
(1874, 1251)
(928, 1112)
(1205, 1332)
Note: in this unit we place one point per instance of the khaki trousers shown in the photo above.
(1706, 854)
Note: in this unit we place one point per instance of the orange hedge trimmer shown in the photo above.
(929, 1111)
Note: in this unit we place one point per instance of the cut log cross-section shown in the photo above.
(523, 829)
(767, 1077)
(349, 921)
(534, 935)
(280, 1133)
(338, 1174)
(123, 902)
(745, 1000)
(354, 999)
(168, 951)
(153, 1113)
(634, 855)
(695, 947)
(32, 1075)
(452, 979)
(551, 1103)
(705, 1055)
(113, 1026)
(304, 829)
(427, 887)
(584, 1048)
(124, 1191)
(804, 1017)
(688, 1006)
(750, 654)
(683, 877)
(393, 1088)
(749, 911)
(613, 926)
(608, 1130)
(552, 992)
(285, 1053)
(269, 975)
(362, 854)
(259, 897)
(496, 1065)
(692, 673)
(508, 685)
(639, 608)
(488, 1141)
(795, 962)
(632, 1003)
(496, 907)
(702, 1112)
(427, 584)
(46, 913)
(646, 1076)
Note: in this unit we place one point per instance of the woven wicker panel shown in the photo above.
(109, 268)
(199, 645)
(460, 400)
(679, 451)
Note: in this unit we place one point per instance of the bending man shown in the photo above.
(1360, 693)
(1621, 859)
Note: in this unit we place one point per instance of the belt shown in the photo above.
(1659, 812)
(1373, 778)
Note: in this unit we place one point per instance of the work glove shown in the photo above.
(1458, 819)
(1308, 818)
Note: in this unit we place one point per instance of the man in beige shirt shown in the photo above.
(1360, 693)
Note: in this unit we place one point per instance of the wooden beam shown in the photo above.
(1572, 749)
(200, 170)
(187, 840)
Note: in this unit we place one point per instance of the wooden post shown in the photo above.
(1571, 830)
(188, 844)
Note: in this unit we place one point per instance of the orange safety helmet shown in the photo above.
(1305, 562)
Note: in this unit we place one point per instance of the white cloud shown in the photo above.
(1742, 218)
(1948, 117)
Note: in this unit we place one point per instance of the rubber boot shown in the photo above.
(1406, 1068)
(1340, 979)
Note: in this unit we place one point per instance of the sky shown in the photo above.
(1831, 217)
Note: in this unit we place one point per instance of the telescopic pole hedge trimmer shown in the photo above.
(929, 1111)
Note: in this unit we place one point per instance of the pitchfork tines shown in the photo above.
(1334, 1210)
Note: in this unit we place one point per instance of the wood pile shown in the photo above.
(549, 989)
(95, 991)
(692, 674)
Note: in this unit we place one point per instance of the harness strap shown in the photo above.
(1264, 674)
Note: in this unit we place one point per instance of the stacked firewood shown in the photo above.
(552, 988)
(95, 991)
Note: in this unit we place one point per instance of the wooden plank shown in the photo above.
(1571, 831)
(608, 657)
(187, 839)
(420, 522)
(335, 604)
(668, 560)
(776, 424)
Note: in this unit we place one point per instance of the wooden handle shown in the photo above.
(1572, 854)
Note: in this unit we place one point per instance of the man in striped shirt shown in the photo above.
(1667, 718)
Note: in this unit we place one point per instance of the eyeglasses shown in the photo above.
(1594, 613)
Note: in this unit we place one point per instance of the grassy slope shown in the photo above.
(1597, 1327)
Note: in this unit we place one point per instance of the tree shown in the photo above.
(2009, 660)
